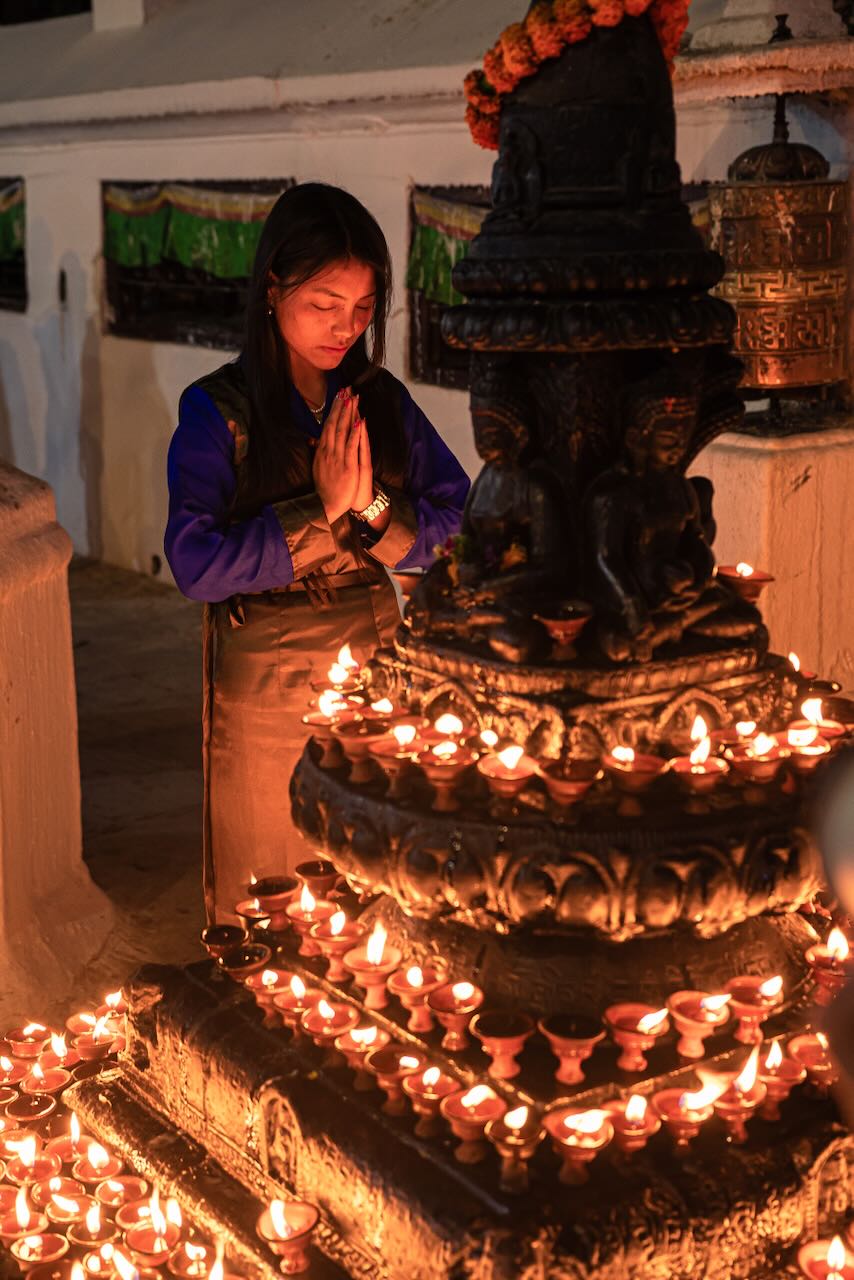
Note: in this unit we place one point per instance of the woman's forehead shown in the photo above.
(346, 279)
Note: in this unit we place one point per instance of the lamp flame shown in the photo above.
(297, 987)
(474, 1097)
(650, 1022)
(216, 1271)
(714, 1004)
(125, 1268)
(771, 988)
(329, 703)
(701, 753)
(462, 991)
(409, 1062)
(158, 1220)
(37, 1073)
(269, 978)
(32, 1028)
(337, 673)
(431, 1075)
(635, 1111)
(762, 745)
(22, 1209)
(837, 945)
(714, 1086)
(746, 1078)
(587, 1122)
(699, 729)
(336, 923)
(26, 1149)
(444, 750)
(415, 976)
(278, 1217)
(625, 755)
(363, 1035)
(794, 661)
(744, 570)
(97, 1155)
(774, 1060)
(799, 738)
(448, 724)
(511, 756)
(516, 1119)
(58, 1046)
(6, 1064)
(404, 734)
(325, 1010)
(307, 900)
(93, 1219)
(745, 728)
(811, 709)
(375, 946)
(346, 659)
(837, 1255)
(74, 1128)
(489, 737)
(65, 1204)
(113, 999)
(822, 1039)
(173, 1213)
(383, 706)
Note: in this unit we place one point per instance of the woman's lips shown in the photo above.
(337, 351)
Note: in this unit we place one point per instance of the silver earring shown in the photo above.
(269, 311)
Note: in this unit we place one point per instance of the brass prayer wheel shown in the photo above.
(781, 226)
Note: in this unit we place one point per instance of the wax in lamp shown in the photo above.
(193, 1260)
(634, 1029)
(292, 1004)
(507, 772)
(78, 1023)
(30, 1108)
(151, 1241)
(806, 746)
(42, 1192)
(683, 1112)
(342, 674)
(425, 1090)
(326, 1020)
(11, 1072)
(412, 985)
(114, 1192)
(286, 1226)
(242, 961)
(99, 1264)
(572, 1039)
(69, 1146)
(391, 1064)
(515, 1136)
(265, 986)
(632, 773)
(94, 1229)
(812, 713)
(577, 1137)
(97, 1164)
(395, 753)
(29, 1040)
(42, 1249)
(468, 1111)
(812, 1051)
(828, 962)
(332, 708)
(305, 912)
(11, 1139)
(30, 1165)
(443, 765)
(779, 1074)
(746, 581)
(335, 937)
(22, 1220)
(275, 894)
(45, 1079)
(355, 1046)
(826, 1260)
(94, 1045)
(133, 1212)
(634, 1121)
(568, 781)
(758, 760)
(63, 1210)
(253, 915)
(700, 772)
(371, 964)
(453, 1004)
(218, 939)
(60, 1054)
(753, 999)
(125, 1269)
(696, 1014)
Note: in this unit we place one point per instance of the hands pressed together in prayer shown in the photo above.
(342, 469)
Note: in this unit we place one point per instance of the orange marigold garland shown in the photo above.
(549, 27)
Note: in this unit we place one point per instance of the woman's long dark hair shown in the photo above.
(311, 226)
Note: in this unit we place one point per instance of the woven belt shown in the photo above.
(351, 578)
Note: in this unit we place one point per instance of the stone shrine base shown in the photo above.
(232, 1112)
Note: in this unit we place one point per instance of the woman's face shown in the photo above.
(321, 319)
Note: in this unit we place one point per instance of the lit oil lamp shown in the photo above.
(828, 962)
(683, 1113)
(112, 1193)
(99, 1264)
(826, 1260)
(22, 1220)
(45, 1080)
(304, 913)
(286, 1226)
(125, 1269)
(356, 737)
(95, 1045)
(507, 772)
(634, 1029)
(806, 747)
(371, 964)
(11, 1139)
(241, 962)
(468, 1111)
(779, 1074)
(812, 711)
(133, 1212)
(193, 1260)
(95, 1229)
(382, 709)
(425, 1090)
(445, 727)
(758, 761)
(503, 1036)
(332, 708)
(753, 999)
(572, 1039)
(745, 581)
(28, 1041)
(42, 1192)
(319, 874)
(395, 753)
(516, 1136)
(568, 781)
(114, 1003)
(151, 1241)
(30, 1109)
(42, 1249)
(632, 773)
(274, 895)
(97, 1164)
(217, 939)
(292, 1004)
(252, 914)
(79, 1023)
(11, 1072)
(734, 735)
(60, 1054)
(355, 1046)
(696, 1014)
(343, 674)
(443, 765)
(453, 1004)
(335, 937)
(744, 1095)
(30, 1164)
(577, 1137)
(700, 772)
(812, 1051)
(412, 986)
(265, 986)
(64, 1211)
(328, 1019)
(634, 1121)
(391, 1065)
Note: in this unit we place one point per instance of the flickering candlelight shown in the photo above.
(743, 1095)
(442, 765)
(335, 937)
(371, 963)
(328, 1019)
(293, 1003)
(453, 1004)
(507, 772)
(826, 1260)
(253, 915)
(94, 1229)
(193, 1260)
(515, 1136)
(332, 708)
(21, 1221)
(468, 1111)
(11, 1072)
(391, 1064)
(41, 1193)
(97, 1164)
(382, 709)
(577, 1137)
(355, 1046)
(99, 1264)
(356, 738)
(699, 772)
(635, 1028)
(114, 1192)
(634, 1121)
(425, 1090)
(829, 963)
(286, 1226)
(779, 1073)
(696, 1015)
(305, 912)
(745, 581)
(758, 759)
(45, 1080)
(806, 747)
(69, 1146)
(632, 773)
(412, 986)
(79, 1023)
(265, 985)
(274, 895)
(29, 1040)
(39, 1250)
(683, 1112)
(448, 726)
(152, 1240)
(94, 1045)
(60, 1054)
(396, 752)
(812, 713)
(29, 1164)
(342, 674)
(753, 999)
(812, 1051)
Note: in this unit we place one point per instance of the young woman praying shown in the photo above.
(298, 474)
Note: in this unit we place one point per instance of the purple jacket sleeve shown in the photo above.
(431, 507)
(210, 557)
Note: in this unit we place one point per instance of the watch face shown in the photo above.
(834, 827)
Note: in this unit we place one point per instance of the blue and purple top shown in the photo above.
(213, 557)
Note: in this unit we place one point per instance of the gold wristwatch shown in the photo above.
(379, 504)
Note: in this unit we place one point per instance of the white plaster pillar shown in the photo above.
(53, 920)
(743, 23)
(786, 505)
